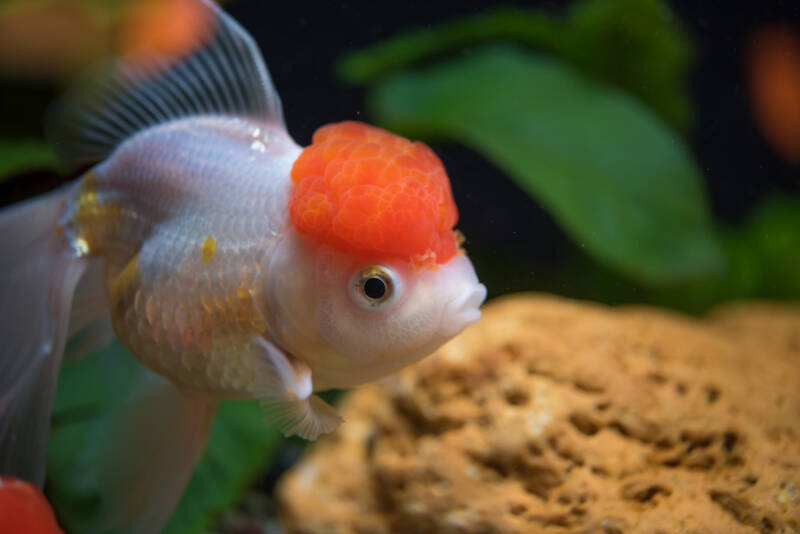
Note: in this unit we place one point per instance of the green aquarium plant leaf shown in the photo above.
(239, 448)
(405, 50)
(773, 233)
(636, 45)
(762, 254)
(20, 155)
(617, 179)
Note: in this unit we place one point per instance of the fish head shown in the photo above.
(355, 319)
(370, 275)
(390, 313)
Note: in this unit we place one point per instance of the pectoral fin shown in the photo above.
(288, 400)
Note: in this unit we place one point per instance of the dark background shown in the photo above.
(301, 44)
(302, 41)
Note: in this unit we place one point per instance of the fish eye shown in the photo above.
(373, 286)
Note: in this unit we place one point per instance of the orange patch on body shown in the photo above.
(367, 191)
(125, 284)
(208, 249)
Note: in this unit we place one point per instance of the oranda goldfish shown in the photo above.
(230, 262)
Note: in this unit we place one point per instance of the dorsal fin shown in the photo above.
(223, 73)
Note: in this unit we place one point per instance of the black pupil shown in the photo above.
(374, 288)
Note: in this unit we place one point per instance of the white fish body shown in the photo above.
(181, 269)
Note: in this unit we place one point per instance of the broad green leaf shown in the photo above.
(238, 450)
(773, 233)
(402, 51)
(762, 255)
(618, 180)
(636, 45)
(20, 155)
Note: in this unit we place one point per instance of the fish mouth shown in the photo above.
(464, 310)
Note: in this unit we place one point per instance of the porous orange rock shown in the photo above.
(556, 416)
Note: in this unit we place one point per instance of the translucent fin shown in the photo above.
(151, 447)
(308, 418)
(223, 73)
(38, 277)
(89, 322)
(90, 301)
(95, 336)
(288, 401)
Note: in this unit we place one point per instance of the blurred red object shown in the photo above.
(24, 510)
(773, 68)
(166, 28)
(49, 39)
(57, 39)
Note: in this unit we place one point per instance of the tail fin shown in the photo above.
(151, 445)
(38, 275)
